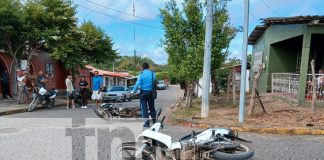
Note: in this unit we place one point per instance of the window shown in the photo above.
(49, 68)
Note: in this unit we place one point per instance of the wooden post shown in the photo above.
(254, 88)
(314, 82)
(228, 87)
(234, 87)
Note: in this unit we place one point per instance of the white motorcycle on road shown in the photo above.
(214, 143)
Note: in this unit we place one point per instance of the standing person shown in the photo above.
(34, 88)
(96, 85)
(69, 92)
(5, 85)
(146, 80)
(83, 84)
(41, 79)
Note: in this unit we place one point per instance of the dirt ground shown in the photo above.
(281, 113)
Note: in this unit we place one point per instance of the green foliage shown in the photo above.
(11, 26)
(84, 45)
(52, 25)
(126, 63)
(223, 34)
(162, 75)
(184, 37)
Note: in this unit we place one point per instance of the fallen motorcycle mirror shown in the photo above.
(213, 143)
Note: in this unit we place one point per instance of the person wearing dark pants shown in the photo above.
(5, 85)
(84, 91)
(145, 81)
(147, 103)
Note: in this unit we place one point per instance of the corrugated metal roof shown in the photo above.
(259, 30)
(107, 73)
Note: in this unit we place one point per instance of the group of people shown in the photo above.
(146, 81)
(97, 92)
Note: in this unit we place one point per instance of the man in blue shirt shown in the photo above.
(146, 80)
(96, 85)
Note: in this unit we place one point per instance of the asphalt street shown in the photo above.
(62, 134)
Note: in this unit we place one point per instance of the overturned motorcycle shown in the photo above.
(109, 111)
(214, 143)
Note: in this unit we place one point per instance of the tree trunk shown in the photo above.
(314, 81)
(234, 87)
(214, 84)
(254, 87)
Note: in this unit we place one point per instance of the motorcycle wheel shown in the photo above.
(100, 112)
(51, 103)
(127, 152)
(243, 152)
(33, 105)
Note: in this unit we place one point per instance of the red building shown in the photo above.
(54, 69)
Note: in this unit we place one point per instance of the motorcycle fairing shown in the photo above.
(163, 138)
(207, 134)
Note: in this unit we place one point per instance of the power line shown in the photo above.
(122, 12)
(140, 24)
(252, 15)
(270, 8)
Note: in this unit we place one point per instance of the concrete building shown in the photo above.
(285, 46)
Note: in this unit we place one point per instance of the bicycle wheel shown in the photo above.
(19, 98)
(127, 152)
(33, 105)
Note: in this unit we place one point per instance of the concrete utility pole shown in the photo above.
(244, 63)
(207, 60)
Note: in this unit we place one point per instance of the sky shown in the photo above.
(115, 18)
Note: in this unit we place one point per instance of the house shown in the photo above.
(111, 79)
(237, 72)
(42, 61)
(284, 46)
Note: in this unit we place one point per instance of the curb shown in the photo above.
(22, 110)
(270, 130)
(287, 131)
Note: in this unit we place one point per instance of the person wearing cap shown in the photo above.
(146, 81)
(96, 85)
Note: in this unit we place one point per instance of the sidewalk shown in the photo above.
(10, 106)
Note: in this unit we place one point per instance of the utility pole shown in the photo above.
(207, 60)
(244, 63)
(134, 38)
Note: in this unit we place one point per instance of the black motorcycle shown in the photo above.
(109, 111)
(44, 97)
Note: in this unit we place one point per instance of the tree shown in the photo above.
(84, 45)
(11, 27)
(47, 22)
(126, 63)
(223, 33)
(184, 37)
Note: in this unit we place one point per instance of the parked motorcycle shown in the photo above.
(78, 97)
(214, 143)
(44, 98)
(109, 111)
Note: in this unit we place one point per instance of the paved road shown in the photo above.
(61, 134)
